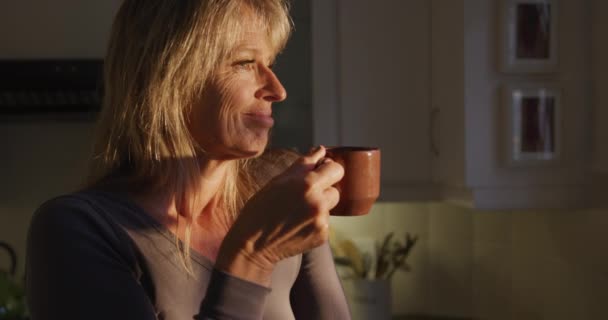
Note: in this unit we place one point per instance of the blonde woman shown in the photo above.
(185, 217)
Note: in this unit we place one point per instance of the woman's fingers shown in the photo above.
(328, 173)
(313, 157)
(333, 196)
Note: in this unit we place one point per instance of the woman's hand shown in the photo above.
(289, 216)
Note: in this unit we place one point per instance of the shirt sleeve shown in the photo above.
(317, 292)
(78, 267)
(229, 297)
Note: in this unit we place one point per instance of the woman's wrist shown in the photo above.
(242, 262)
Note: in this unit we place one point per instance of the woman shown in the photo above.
(180, 220)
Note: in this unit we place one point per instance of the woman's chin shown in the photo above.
(249, 153)
(252, 149)
(257, 151)
(258, 143)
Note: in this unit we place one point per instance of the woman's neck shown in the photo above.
(211, 222)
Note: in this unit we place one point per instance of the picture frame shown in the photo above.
(529, 36)
(533, 121)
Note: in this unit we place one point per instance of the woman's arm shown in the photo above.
(317, 292)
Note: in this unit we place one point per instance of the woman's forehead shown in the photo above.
(252, 30)
(256, 41)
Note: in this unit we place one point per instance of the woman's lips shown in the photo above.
(261, 119)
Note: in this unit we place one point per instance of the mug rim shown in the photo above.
(352, 148)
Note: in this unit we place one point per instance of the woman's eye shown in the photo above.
(244, 64)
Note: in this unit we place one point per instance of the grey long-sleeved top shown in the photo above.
(96, 255)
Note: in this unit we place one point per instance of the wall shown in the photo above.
(523, 265)
(293, 125)
(55, 29)
(600, 79)
(485, 163)
(518, 265)
(41, 159)
(45, 156)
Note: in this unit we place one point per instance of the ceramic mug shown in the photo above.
(360, 186)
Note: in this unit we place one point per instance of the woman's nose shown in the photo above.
(272, 89)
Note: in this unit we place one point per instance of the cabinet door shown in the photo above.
(600, 79)
(383, 88)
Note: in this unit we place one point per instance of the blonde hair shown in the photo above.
(160, 56)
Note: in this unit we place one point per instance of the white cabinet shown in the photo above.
(465, 86)
(371, 86)
(600, 81)
(420, 79)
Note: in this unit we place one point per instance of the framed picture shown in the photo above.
(529, 36)
(534, 124)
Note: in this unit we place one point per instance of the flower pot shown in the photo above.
(368, 299)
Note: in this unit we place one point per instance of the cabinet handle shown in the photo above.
(433, 122)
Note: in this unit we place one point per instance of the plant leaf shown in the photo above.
(354, 255)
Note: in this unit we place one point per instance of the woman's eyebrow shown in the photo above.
(249, 51)
(245, 50)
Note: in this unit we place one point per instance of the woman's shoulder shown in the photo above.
(72, 205)
(67, 207)
(79, 215)
(75, 228)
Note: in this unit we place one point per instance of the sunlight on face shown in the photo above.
(234, 117)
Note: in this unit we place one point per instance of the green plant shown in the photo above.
(391, 256)
(12, 299)
(12, 293)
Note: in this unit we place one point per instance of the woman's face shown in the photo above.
(234, 117)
